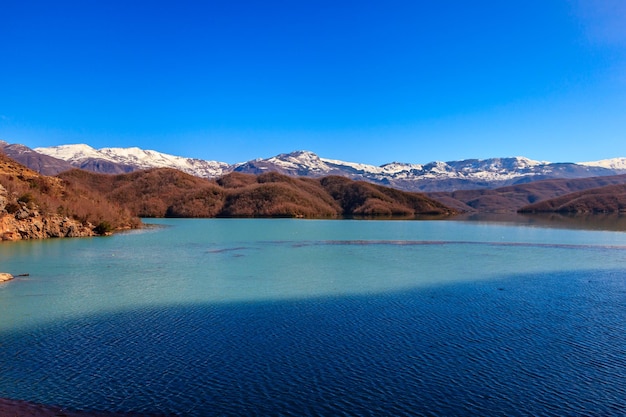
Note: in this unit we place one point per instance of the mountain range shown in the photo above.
(78, 202)
(469, 174)
(301, 184)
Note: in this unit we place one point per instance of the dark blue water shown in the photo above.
(320, 318)
(526, 345)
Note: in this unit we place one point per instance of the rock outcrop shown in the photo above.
(35, 226)
(5, 277)
(18, 221)
(3, 198)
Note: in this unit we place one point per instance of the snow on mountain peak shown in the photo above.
(299, 160)
(530, 162)
(395, 167)
(72, 153)
(613, 163)
(136, 157)
(297, 156)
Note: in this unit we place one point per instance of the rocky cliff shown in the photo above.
(22, 221)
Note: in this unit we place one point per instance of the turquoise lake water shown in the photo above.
(319, 317)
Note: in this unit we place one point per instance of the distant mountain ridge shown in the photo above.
(431, 177)
(124, 160)
(43, 164)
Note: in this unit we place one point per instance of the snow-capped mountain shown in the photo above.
(308, 163)
(433, 176)
(614, 163)
(132, 159)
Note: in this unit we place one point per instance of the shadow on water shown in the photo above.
(546, 344)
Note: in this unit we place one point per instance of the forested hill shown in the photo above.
(166, 192)
(607, 199)
(536, 195)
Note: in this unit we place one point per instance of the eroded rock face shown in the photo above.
(24, 221)
(3, 198)
(35, 226)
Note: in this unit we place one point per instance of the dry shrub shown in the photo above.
(148, 206)
(237, 180)
(374, 207)
(607, 199)
(352, 195)
(204, 203)
(156, 192)
(362, 198)
(275, 200)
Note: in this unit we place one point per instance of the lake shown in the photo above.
(282, 317)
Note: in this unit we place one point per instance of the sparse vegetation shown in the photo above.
(26, 198)
(29, 195)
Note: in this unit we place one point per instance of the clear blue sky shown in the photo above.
(368, 81)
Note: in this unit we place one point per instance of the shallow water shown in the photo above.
(293, 317)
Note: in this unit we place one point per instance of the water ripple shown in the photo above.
(545, 346)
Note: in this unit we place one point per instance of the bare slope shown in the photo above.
(43, 164)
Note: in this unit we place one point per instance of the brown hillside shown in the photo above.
(37, 206)
(366, 199)
(276, 195)
(10, 167)
(607, 199)
(170, 193)
(154, 193)
(237, 180)
(512, 198)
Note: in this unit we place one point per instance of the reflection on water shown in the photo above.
(609, 222)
